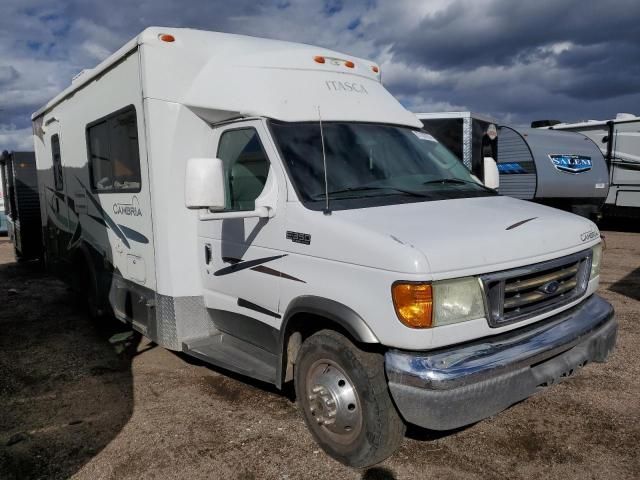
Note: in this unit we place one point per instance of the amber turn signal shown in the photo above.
(413, 303)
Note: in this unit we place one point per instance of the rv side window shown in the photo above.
(114, 158)
(246, 166)
(57, 162)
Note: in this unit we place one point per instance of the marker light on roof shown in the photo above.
(319, 58)
(349, 64)
(165, 37)
(375, 69)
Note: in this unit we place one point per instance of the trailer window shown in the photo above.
(57, 162)
(114, 158)
(246, 167)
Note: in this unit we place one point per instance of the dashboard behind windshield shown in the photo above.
(381, 164)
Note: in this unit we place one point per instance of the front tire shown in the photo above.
(344, 398)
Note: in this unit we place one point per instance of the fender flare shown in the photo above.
(337, 312)
(334, 311)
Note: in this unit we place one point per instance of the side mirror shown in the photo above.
(491, 173)
(204, 184)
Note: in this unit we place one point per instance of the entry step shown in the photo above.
(229, 352)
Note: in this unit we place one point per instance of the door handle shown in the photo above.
(207, 253)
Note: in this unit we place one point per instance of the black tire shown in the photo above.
(87, 288)
(378, 430)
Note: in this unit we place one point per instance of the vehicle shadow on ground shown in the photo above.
(629, 286)
(620, 224)
(378, 473)
(66, 387)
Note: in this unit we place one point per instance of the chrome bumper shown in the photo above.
(449, 388)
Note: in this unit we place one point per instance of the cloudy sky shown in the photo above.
(514, 60)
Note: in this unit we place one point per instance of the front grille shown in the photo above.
(521, 293)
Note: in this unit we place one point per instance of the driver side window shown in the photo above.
(246, 167)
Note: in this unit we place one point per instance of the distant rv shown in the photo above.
(21, 201)
(619, 141)
(558, 169)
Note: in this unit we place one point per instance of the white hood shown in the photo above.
(477, 235)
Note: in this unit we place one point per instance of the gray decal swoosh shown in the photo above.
(99, 220)
(252, 306)
(134, 235)
(244, 265)
(276, 273)
(521, 222)
(263, 269)
(75, 238)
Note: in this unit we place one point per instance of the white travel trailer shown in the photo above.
(619, 140)
(270, 208)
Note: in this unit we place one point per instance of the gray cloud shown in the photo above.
(516, 61)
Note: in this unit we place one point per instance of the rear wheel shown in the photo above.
(343, 395)
(87, 288)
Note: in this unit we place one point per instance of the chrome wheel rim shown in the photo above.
(333, 401)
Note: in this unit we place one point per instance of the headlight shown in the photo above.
(423, 305)
(457, 301)
(596, 258)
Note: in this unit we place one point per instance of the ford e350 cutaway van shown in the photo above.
(270, 208)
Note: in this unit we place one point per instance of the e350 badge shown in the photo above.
(299, 237)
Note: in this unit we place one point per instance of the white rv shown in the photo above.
(619, 140)
(270, 208)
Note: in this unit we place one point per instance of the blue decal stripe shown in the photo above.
(110, 223)
(511, 168)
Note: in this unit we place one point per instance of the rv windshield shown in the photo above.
(370, 165)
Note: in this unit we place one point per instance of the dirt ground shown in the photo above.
(95, 401)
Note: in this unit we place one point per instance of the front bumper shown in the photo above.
(456, 386)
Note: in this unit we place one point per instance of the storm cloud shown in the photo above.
(516, 61)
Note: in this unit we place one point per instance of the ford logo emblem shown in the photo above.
(550, 287)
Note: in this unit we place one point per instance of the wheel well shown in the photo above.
(300, 327)
(80, 267)
(83, 269)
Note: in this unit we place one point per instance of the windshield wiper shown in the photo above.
(458, 181)
(365, 188)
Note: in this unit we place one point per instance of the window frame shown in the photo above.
(104, 119)
(57, 164)
(234, 128)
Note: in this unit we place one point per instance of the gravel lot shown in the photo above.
(97, 401)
